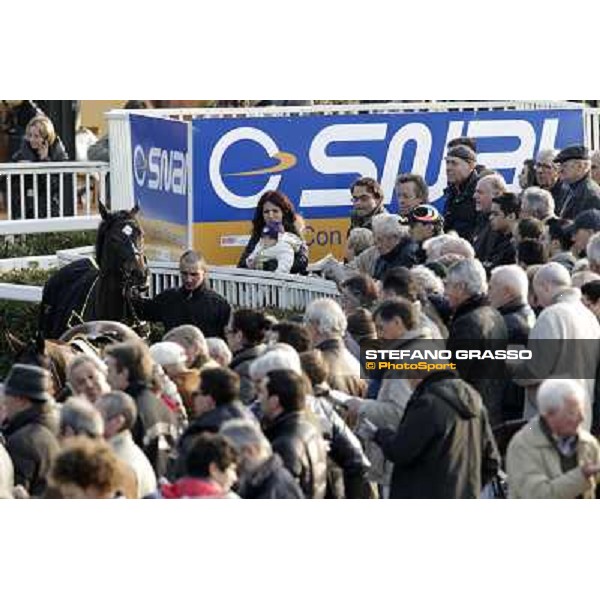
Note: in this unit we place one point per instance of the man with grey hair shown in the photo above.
(394, 243)
(593, 253)
(78, 416)
(475, 325)
(392, 247)
(484, 239)
(192, 340)
(326, 323)
(547, 176)
(565, 340)
(448, 247)
(119, 414)
(537, 203)
(508, 293)
(219, 351)
(261, 474)
(553, 456)
(575, 170)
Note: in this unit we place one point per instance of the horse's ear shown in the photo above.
(103, 210)
(14, 343)
(135, 210)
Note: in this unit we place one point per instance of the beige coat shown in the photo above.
(533, 466)
(363, 263)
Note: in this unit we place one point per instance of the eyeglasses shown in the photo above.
(360, 198)
(545, 166)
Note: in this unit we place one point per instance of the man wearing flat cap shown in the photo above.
(586, 224)
(460, 214)
(575, 170)
(30, 427)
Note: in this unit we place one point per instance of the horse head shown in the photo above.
(120, 247)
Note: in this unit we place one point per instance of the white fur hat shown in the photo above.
(168, 353)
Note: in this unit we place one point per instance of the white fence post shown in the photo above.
(121, 168)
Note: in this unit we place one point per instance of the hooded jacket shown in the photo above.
(443, 447)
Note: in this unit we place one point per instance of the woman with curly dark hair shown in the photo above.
(275, 213)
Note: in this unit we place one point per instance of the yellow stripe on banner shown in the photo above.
(222, 243)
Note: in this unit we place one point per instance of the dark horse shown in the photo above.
(93, 290)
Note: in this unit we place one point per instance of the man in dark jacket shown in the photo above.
(297, 441)
(367, 202)
(261, 473)
(460, 214)
(155, 431)
(508, 294)
(443, 447)
(395, 245)
(484, 238)
(503, 217)
(215, 403)
(193, 303)
(547, 177)
(475, 326)
(31, 426)
(575, 170)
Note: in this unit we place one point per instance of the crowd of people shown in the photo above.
(234, 403)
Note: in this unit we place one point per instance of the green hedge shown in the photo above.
(20, 318)
(43, 244)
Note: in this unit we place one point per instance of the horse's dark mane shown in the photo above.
(105, 225)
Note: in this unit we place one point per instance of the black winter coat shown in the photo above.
(155, 430)
(32, 444)
(582, 195)
(559, 192)
(240, 363)
(404, 254)
(300, 445)
(478, 326)
(460, 214)
(504, 252)
(519, 319)
(345, 450)
(270, 481)
(484, 238)
(443, 447)
(204, 308)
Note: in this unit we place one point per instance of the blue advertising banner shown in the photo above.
(314, 159)
(160, 183)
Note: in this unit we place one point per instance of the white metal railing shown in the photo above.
(44, 197)
(241, 287)
(592, 128)
(185, 114)
(251, 289)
